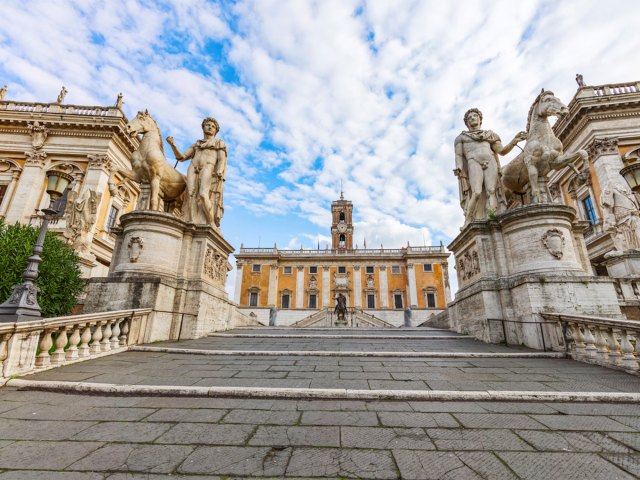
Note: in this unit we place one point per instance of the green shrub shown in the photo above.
(59, 274)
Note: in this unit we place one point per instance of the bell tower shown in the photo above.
(342, 224)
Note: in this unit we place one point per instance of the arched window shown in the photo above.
(343, 241)
(342, 217)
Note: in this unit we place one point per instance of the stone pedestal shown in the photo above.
(528, 260)
(176, 268)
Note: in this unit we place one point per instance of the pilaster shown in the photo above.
(606, 160)
(357, 287)
(384, 287)
(272, 295)
(300, 287)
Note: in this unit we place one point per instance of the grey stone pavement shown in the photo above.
(74, 436)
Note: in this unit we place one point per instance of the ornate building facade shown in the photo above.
(86, 142)
(604, 120)
(383, 287)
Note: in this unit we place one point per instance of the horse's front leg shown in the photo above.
(111, 183)
(154, 199)
(532, 161)
(568, 159)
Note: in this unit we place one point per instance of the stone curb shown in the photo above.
(333, 329)
(322, 393)
(329, 337)
(334, 353)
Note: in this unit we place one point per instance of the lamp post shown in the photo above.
(22, 305)
(631, 174)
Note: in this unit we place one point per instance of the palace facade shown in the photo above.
(383, 287)
(604, 120)
(86, 142)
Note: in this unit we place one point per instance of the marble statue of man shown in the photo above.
(478, 167)
(206, 174)
(3, 92)
(62, 94)
(621, 218)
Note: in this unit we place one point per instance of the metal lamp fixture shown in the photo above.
(23, 305)
(631, 174)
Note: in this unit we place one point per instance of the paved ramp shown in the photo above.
(283, 403)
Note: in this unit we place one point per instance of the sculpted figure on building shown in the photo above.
(621, 218)
(478, 167)
(206, 174)
(81, 214)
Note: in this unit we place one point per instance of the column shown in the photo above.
(413, 293)
(357, 287)
(238, 288)
(300, 287)
(606, 161)
(384, 287)
(272, 298)
(9, 193)
(326, 288)
(27, 191)
(445, 282)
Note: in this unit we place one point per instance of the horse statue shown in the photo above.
(149, 164)
(542, 153)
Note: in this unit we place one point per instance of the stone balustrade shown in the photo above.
(604, 341)
(41, 344)
(332, 252)
(35, 107)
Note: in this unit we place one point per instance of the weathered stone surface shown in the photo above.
(259, 461)
(134, 458)
(31, 454)
(323, 462)
(568, 466)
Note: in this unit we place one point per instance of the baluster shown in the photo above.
(96, 337)
(590, 348)
(629, 361)
(57, 357)
(615, 357)
(74, 339)
(105, 344)
(4, 348)
(124, 336)
(85, 338)
(115, 334)
(578, 339)
(601, 343)
(45, 343)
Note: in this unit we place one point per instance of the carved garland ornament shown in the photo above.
(553, 240)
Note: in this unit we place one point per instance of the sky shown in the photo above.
(312, 95)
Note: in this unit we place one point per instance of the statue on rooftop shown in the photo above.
(478, 167)
(580, 80)
(206, 174)
(119, 101)
(3, 92)
(62, 94)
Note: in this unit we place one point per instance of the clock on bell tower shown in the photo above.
(342, 224)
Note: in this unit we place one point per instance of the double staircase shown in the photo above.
(355, 317)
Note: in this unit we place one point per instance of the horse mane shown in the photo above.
(533, 105)
(157, 128)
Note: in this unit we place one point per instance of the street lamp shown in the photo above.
(631, 174)
(22, 305)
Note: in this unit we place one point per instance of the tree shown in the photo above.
(59, 276)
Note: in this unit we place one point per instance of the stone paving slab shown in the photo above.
(477, 374)
(330, 439)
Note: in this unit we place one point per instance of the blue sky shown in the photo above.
(313, 93)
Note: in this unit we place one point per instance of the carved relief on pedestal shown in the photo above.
(553, 240)
(81, 214)
(468, 265)
(135, 246)
(215, 265)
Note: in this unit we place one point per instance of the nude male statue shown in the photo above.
(477, 165)
(206, 173)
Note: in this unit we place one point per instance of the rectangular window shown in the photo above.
(589, 210)
(111, 219)
(3, 191)
(313, 269)
(371, 301)
(286, 270)
(395, 269)
(313, 301)
(427, 267)
(256, 267)
(285, 300)
(253, 299)
(369, 269)
(342, 269)
(431, 300)
(397, 300)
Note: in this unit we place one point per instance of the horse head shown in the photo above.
(550, 106)
(142, 123)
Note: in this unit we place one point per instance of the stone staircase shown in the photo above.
(355, 318)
